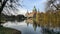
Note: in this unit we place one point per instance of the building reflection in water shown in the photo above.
(30, 21)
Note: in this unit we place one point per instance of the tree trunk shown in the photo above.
(2, 6)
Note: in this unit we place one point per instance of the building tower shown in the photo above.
(27, 13)
(34, 12)
(34, 9)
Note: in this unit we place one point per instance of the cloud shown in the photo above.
(22, 11)
(10, 12)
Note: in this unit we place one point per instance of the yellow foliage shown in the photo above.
(51, 19)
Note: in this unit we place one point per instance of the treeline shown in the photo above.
(48, 18)
(4, 18)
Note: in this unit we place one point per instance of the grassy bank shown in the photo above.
(4, 30)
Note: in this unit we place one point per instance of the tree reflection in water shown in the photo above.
(46, 29)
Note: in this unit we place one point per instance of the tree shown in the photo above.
(53, 4)
(10, 4)
(2, 5)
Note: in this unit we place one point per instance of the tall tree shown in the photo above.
(10, 4)
(2, 4)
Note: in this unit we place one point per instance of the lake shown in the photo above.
(30, 27)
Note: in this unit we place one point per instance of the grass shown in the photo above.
(4, 30)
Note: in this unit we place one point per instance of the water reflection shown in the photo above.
(45, 29)
(31, 27)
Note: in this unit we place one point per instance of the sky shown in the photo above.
(29, 4)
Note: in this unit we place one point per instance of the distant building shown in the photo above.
(31, 14)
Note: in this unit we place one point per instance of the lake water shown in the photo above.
(29, 27)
